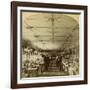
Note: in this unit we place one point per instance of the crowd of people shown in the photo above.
(36, 62)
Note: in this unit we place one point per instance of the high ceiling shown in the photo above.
(50, 30)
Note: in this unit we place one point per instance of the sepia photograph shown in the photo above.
(50, 44)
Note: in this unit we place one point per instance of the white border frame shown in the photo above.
(55, 78)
